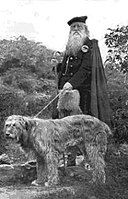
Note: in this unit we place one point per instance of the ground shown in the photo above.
(75, 182)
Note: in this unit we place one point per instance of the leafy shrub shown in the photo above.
(26, 81)
(118, 94)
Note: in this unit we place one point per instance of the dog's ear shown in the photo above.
(25, 132)
(29, 124)
(5, 119)
(4, 124)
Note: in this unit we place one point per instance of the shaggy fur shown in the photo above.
(49, 139)
(68, 103)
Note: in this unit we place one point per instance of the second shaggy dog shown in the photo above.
(68, 103)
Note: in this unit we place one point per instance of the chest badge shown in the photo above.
(84, 48)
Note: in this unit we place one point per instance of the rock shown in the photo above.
(75, 174)
(15, 181)
(17, 173)
(65, 192)
(26, 173)
(4, 159)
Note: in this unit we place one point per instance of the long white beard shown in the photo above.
(75, 43)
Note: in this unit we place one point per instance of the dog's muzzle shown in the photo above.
(8, 135)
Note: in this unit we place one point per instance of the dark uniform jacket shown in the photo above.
(77, 71)
(85, 72)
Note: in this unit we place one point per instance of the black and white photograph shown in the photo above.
(64, 99)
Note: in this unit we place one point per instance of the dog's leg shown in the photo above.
(101, 142)
(41, 171)
(96, 160)
(52, 159)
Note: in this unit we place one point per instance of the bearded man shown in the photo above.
(82, 69)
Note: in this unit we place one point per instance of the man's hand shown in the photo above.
(68, 86)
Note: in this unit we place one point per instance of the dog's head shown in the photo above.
(68, 99)
(15, 127)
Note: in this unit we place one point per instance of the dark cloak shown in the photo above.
(100, 107)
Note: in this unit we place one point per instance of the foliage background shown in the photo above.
(116, 67)
(28, 82)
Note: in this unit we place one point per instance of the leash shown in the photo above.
(47, 105)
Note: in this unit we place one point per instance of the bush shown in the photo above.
(118, 94)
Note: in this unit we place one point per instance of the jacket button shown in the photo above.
(71, 58)
(71, 66)
(71, 74)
